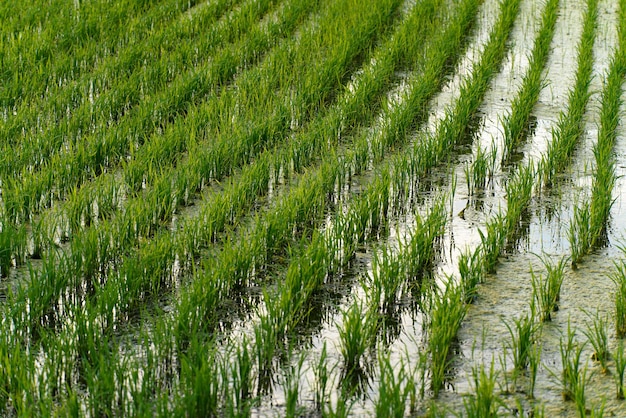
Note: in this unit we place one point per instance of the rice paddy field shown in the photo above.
(312, 208)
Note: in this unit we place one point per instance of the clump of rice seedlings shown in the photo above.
(492, 242)
(518, 195)
(291, 386)
(418, 252)
(356, 335)
(322, 375)
(387, 279)
(481, 170)
(471, 272)
(573, 376)
(534, 360)
(444, 317)
(394, 389)
(483, 403)
(546, 292)
(579, 233)
(620, 369)
(266, 345)
(596, 334)
(523, 339)
(242, 375)
(619, 278)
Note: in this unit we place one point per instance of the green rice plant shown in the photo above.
(481, 169)
(6, 243)
(418, 251)
(356, 335)
(386, 280)
(492, 242)
(518, 194)
(322, 375)
(546, 292)
(242, 375)
(579, 233)
(619, 278)
(394, 388)
(471, 272)
(483, 402)
(292, 388)
(265, 349)
(523, 339)
(534, 361)
(573, 376)
(596, 334)
(445, 313)
(620, 369)
(201, 383)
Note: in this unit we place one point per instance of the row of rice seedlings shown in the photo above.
(499, 231)
(92, 106)
(72, 41)
(570, 125)
(588, 227)
(516, 122)
(36, 190)
(255, 181)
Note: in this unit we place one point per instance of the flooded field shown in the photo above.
(313, 208)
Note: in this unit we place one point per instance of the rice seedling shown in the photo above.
(483, 402)
(573, 376)
(546, 292)
(523, 339)
(322, 375)
(619, 278)
(579, 233)
(445, 313)
(471, 272)
(394, 388)
(620, 368)
(534, 361)
(596, 334)
(492, 242)
(356, 335)
(292, 389)
(481, 170)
